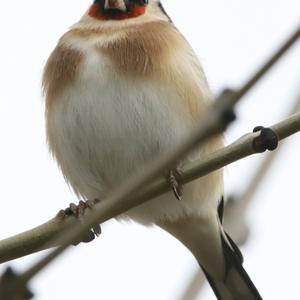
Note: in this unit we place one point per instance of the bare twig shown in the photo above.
(234, 214)
(235, 221)
(33, 240)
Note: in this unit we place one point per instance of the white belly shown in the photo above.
(108, 126)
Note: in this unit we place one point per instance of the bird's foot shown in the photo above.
(174, 178)
(79, 211)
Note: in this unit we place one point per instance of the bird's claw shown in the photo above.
(174, 179)
(79, 211)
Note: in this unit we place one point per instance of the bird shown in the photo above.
(122, 87)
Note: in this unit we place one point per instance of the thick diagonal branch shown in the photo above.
(36, 239)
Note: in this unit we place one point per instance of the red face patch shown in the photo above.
(96, 11)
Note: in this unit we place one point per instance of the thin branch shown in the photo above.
(235, 211)
(237, 206)
(121, 200)
(33, 240)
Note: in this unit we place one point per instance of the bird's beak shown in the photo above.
(115, 5)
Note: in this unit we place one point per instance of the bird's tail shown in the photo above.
(218, 256)
(237, 284)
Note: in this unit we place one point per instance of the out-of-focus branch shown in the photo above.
(235, 212)
(235, 221)
(121, 199)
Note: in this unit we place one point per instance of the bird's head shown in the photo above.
(118, 9)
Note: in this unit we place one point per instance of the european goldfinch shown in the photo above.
(123, 86)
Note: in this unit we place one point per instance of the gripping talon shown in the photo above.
(174, 178)
(79, 211)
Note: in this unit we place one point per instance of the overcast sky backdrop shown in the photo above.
(232, 38)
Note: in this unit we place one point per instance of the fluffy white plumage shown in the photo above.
(108, 126)
(121, 92)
